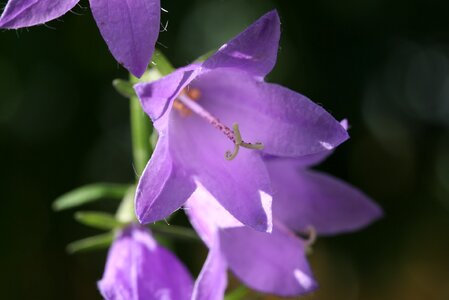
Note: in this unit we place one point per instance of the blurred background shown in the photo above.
(382, 64)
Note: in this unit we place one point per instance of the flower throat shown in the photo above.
(186, 104)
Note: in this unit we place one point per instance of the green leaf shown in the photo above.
(161, 63)
(124, 88)
(90, 193)
(96, 242)
(99, 220)
(237, 294)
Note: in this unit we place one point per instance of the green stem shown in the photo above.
(140, 134)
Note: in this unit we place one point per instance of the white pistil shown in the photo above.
(239, 142)
(311, 237)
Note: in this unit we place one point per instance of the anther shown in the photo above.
(193, 94)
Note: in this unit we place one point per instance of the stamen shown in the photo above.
(192, 93)
(234, 135)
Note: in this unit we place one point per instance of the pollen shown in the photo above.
(194, 94)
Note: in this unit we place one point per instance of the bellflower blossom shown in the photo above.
(304, 201)
(193, 110)
(138, 268)
(130, 28)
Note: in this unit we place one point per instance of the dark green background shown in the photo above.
(384, 65)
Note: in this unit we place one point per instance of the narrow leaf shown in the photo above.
(99, 220)
(96, 242)
(90, 193)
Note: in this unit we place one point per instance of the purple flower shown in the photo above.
(195, 107)
(304, 201)
(138, 268)
(130, 28)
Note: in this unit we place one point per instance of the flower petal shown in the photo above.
(163, 187)
(311, 159)
(130, 28)
(138, 268)
(156, 96)
(287, 123)
(242, 186)
(271, 263)
(212, 280)
(207, 215)
(254, 50)
(25, 13)
(304, 197)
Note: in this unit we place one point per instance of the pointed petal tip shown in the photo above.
(143, 212)
(272, 16)
(136, 65)
(254, 50)
(263, 220)
(373, 213)
(130, 29)
(370, 212)
(377, 213)
(139, 70)
(157, 96)
(307, 283)
(271, 19)
(141, 219)
(254, 258)
(139, 88)
(344, 133)
(101, 287)
(340, 137)
(345, 124)
(145, 215)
